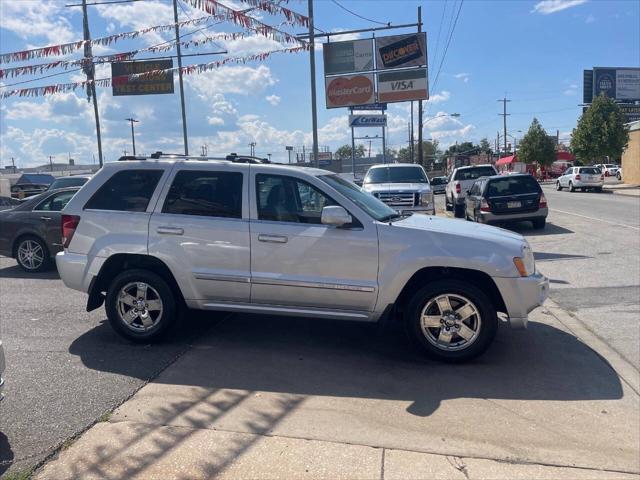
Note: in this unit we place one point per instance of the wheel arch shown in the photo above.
(120, 262)
(425, 275)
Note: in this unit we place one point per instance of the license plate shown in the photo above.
(514, 204)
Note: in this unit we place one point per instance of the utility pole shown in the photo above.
(13, 164)
(420, 101)
(89, 70)
(252, 145)
(413, 159)
(184, 115)
(51, 162)
(312, 68)
(269, 155)
(133, 138)
(353, 151)
(504, 118)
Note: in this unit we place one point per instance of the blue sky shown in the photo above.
(533, 52)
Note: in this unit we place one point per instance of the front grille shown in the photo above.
(398, 199)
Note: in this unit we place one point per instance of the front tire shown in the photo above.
(32, 255)
(140, 305)
(451, 320)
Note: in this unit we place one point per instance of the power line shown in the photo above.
(435, 55)
(358, 15)
(446, 49)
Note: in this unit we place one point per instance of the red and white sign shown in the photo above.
(349, 90)
(403, 85)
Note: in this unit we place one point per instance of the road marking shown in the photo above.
(593, 218)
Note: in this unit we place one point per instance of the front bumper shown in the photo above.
(429, 209)
(521, 295)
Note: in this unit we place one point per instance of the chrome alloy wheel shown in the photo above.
(450, 322)
(139, 306)
(30, 254)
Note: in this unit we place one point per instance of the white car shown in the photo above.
(608, 169)
(150, 237)
(581, 178)
(460, 181)
(619, 174)
(403, 186)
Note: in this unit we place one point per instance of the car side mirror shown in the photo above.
(336, 216)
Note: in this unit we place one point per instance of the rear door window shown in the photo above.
(512, 186)
(205, 193)
(126, 190)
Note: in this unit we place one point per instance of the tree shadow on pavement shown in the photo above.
(343, 359)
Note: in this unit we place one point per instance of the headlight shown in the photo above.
(426, 198)
(526, 265)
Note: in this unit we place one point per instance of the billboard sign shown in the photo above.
(403, 85)
(368, 120)
(348, 57)
(349, 90)
(399, 51)
(631, 112)
(160, 83)
(621, 84)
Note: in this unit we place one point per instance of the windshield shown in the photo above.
(68, 182)
(408, 174)
(473, 173)
(370, 204)
(438, 180)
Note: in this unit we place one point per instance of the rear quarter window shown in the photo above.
(126, 190)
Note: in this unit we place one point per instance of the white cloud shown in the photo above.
(250, 45)
(572, 90)
(216, 121)
(547, 7)
(242, 80)
(138, 15)
(337, 38)
(443, 96)
(273, 99)
(30, 19)
(463, 76)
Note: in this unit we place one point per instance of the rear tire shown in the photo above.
(571, 187)
(140, 306)
(618, 176)
(448, 206)
(558, 186)
(428, 317)
(598, 189)
(539, 223)
(32, 254)
(459, 211)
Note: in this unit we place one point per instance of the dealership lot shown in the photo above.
(257, 380)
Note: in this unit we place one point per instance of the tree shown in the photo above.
(344, 152)
(466, 148)
(536, 146)
(429, 150)
(485, 146)
(600, 132)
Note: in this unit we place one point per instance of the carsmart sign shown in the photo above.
(367, 120)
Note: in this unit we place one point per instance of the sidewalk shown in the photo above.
(289, 398)
(623, 189)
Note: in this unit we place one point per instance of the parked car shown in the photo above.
(25, 190)
(71, 181)
(2, 367)
(402, 186)
(608, 169)
(439, 184)
(31, 232)
(501, 198)
(619, 174)
(8, 202)
(460, 182)
(147, 238)
(583, 178)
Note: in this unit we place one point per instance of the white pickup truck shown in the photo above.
(460, 182)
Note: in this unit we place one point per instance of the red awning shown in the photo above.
(565, 156)
(507, 160)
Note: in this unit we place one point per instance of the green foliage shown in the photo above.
(464, 148)
(536, 146)
(429, 150)
(344, 152)
(485, 146)
(601, 132)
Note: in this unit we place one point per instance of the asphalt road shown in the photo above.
(590, 249)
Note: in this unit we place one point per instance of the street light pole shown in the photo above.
(312, 68)
(133, 137)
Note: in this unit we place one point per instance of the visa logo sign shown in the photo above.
(402, 85)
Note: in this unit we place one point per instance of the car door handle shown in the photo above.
(170, 231)
(272, 238)
(45, 218)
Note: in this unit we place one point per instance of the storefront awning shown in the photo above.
(507, 160)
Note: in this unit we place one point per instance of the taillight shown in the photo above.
(484, 206)
(578, 177)
(601, 177)
(543, 201)
(458, 187)
(606, 173)
(69, 223)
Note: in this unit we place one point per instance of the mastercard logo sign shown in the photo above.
(346, 91)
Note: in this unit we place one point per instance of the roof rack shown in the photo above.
(232, 157)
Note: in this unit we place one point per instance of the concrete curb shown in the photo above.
(625, 370)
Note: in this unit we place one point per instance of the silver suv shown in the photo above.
(460, 181)
(151, 237)
(403, 186)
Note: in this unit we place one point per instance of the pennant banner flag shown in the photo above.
(66, 64)
(107, 82)
(273, 8)
(66, 48)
